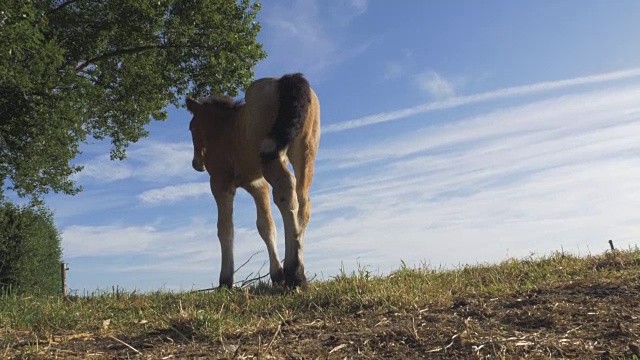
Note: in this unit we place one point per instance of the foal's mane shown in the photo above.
(223, 101)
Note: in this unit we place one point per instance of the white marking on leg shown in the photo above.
(267, 231)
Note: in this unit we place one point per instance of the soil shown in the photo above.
(576, 320)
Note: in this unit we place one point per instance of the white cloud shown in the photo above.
(458, 101)
(398, 68)
(299, 29)
(160, 160)
(435, 85)
(393, 69)
(149, 256)
(540, 119)
(359, 5)
(194, 241)
(107, 240)
(528, 178)
(102, 169)
(577, 205)
(87, 202)
(307, 39)
(531, 178)
(175, 192)
(149, 161)
(344, 11)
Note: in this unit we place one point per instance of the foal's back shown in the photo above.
(260, 110)
(254, 121)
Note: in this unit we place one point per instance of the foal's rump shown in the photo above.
(282, 106)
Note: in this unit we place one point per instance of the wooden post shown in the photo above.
(63, 273)
(611, 244)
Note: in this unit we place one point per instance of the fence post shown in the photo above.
(63, 272)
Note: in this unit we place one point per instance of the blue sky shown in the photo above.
(453, 132)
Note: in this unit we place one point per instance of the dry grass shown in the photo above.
(553, 307)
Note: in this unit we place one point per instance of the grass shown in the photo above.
(556, 306)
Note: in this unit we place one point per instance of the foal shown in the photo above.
(248, 145)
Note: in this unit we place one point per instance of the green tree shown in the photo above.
(75, 69)
(29, 250)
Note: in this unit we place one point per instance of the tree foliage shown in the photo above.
(30, 250)
(104, 69)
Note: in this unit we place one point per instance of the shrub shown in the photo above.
(30, 250)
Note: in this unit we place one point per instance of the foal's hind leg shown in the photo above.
(302, 155)
(259, 190)
(283, 184)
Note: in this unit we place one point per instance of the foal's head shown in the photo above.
(209, 116)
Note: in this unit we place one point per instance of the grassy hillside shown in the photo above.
(553, 307)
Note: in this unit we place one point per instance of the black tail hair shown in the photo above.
(295, 98)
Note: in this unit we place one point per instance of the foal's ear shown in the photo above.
(192, 105)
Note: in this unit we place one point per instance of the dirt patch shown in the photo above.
(573, 320)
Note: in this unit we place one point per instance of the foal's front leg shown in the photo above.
(224, 195)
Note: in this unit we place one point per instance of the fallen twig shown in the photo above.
(273, 338)
(338, 348)
(445, 347)
(246, 262)
(247, 281)
(125, 344)
(413, 328)
(244, 282)
(236, 353)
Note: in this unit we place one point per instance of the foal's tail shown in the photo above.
(295, 99)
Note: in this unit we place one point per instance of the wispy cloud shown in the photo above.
(393, 69)
(87, 202)
(184, 256)
(543, 118)
(344, 11)
(102, 169)
(175, 192)
(435, 85)
(106, 240)
(399, 67)
(360, 6)
(156, 241)
(309, 34)
(580, 205)
(479, 98)
(151, 161)
(529, 178)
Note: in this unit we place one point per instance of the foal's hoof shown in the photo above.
(277, 278)
(295, 278)
(225, 284)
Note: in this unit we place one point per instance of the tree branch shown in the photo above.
(118, 53)
(62, 6)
